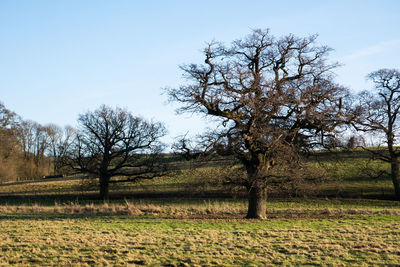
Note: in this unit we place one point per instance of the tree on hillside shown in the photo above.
(112, 142)
(379, 112)
(272, 97)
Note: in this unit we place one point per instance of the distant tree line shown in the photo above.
(274, 99)
(30, 150)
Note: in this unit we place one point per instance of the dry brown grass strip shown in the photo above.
(181, 211)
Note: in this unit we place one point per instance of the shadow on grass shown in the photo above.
(39, 216)
(47, 216)
(42, 216)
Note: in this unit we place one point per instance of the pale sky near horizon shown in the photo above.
(62, 58)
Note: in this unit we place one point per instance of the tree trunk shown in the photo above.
(104, 182)
(257, 209)
(396, 177)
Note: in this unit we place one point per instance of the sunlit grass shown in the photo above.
(53, 239)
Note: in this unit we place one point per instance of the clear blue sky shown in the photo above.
(62, 58)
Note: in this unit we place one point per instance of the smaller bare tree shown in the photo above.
(34, 141)
(7, 131)
(9, 149)
(60, 139)
(112, 142)
(379, 113)
(7, 117)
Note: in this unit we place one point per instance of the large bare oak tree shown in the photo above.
(272, 97)
(112, 142)
(379, 112)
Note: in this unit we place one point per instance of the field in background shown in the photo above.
(350, 175)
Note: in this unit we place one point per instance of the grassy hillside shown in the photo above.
(348, 175)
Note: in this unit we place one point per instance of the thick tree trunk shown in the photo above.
(104, 183)
(396, 177)
(257, 202)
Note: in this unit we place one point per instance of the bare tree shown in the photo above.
(26, 135)
(60, 139)
(112, 142)
(272, 97)
(34, 140)
(7, 117)
(379, 112)
(42, 141)
(7, 131)
(27, 141)
(9, 149)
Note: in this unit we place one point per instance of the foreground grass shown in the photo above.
(201, 232)
(53, 239)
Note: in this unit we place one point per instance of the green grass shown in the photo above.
(201, 232)
(53, 239)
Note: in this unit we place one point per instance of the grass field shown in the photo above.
(200, 232)
(181, 221)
